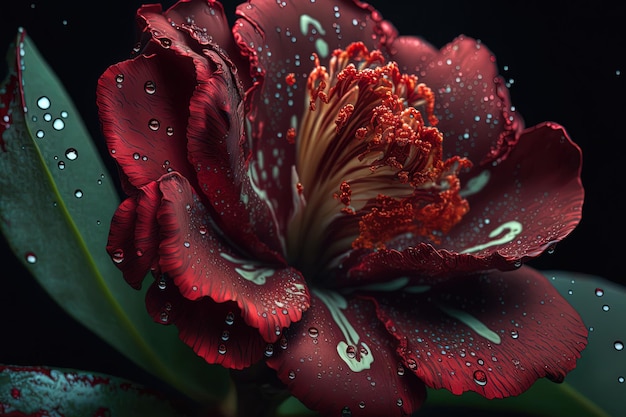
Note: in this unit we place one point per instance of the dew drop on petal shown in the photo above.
(291, 374)
(162, 284)
(399, 402)
(514, 334)
(618, 345)
(31, 258)
(149, 87)
(169, 131)
(480, 378)
(269, 350)
(164, 317)
(346, 412)
(118, 256)
(230, 318)
(221, 349)
(313, 332)
(154, 124)
(225, 335)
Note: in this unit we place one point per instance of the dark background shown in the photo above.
(567, 63)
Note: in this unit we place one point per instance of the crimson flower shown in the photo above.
(350, 206)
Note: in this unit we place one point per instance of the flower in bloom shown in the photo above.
(353, 207)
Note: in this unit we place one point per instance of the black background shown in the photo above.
(568, 66)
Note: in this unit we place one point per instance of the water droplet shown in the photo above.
(71, 154)
(166, 43)
(43, 102)
(154, 124)
(149, 87)
(169, 131)
(31, 258)
(78, 193)
(313, 332)
(351, 352)
(119, 78)
(40, 134)
(221, 349)
(291, 374)
(606, 307)
(269, 350)
(202, 229)
(551, 249)
(362, 404)
(346, 412)
(162, 284)
(599, 292)
(58, 124)
(61, 165)
(514, 334)
(118, 256)
(618, 345)
(225, 335)
(621, 379)
(283, 343)
(47, 117)
(517, 264)
(164, 317)
(400, 369)
(399, 402)
(480, 378)
(411, 364)
(230, 318)
(136, 156)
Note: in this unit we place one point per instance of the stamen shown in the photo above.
(364, 135)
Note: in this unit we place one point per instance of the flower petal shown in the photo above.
(143, 108)
(280, 53)
(526, 203)
(213, 330)
(495, 334)
(339, 359)
(133, 236)
(472, 102)
(200, 263)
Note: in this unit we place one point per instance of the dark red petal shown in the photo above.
(215, 331)
(528, 202)
(143, 107)
(216, 136)
(133, 238)
(339, 358)
(207, 24)
(200, 263)
(417, 265)
(280, 37)
(472, 102)
(495, 334)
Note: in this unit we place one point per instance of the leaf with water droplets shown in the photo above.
(55, 206)
(42, 391)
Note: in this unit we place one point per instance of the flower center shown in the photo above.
(369, 166)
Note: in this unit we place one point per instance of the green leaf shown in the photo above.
(42, 391)
(56, 202)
